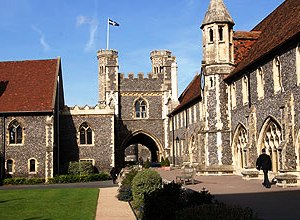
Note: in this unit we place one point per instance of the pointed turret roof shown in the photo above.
(217, 13)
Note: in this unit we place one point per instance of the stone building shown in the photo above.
(40, 137)
(246, 97)
(31, 95)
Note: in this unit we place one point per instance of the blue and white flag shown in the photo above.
(113, 23)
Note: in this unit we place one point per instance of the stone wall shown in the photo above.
(102, 149)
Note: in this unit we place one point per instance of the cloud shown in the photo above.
(93, 24)
(43, 42)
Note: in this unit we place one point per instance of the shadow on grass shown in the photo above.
(40, 218)
(10, 200)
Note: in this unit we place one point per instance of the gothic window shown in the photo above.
(211, 35)
(260, 83)
(245, 90)
(277, 77)
(221, 37)
(241, 143)
(32, 165)
(298, 64)
(233, 95)
(85, 134)
(271, 142)
(9, 166)
(15, 133)
(140, 108)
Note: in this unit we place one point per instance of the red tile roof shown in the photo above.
(282, 25)
(189, 95)
(28, 86)
(243, 41)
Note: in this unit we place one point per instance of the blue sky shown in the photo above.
(76, 29)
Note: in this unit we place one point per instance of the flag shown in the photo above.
(113, 23)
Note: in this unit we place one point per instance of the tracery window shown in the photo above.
(241, 144)
(86, 134)
(140, 108)
(15, 133)
(260, 83)
(272, 142)
(277, 76)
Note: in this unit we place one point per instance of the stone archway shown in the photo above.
(146, 140)
(239, 145)
(270, 138)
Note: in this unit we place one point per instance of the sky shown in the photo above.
(76, 29)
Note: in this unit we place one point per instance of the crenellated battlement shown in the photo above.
(100, 109)
(141, 76)
(160, 53)
(107, 53)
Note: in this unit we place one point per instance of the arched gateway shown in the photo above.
(139, 141)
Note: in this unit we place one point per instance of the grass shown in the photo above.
(48, 204)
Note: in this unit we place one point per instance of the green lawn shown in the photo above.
(48, 204)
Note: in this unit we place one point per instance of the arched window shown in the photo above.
(32, 165)
(245, 89)
(260, 83)
(221, 38)
(15, 133)
(277, 77)
(140, 108)
(211, 35)
(85, 134)
(9, 166)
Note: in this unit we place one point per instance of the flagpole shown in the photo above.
(107, 34)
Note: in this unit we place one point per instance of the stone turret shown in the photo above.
(217, 29)
(218, 61)
(108, 69)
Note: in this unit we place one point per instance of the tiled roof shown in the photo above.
(282, 25)
(28, 86)
(189, 95)
(243, 42)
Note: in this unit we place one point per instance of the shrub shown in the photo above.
(163, 202)
(23, 181)
(80, 168)
(125, 192)
(145, 182)
(216, 211)
(79, 178)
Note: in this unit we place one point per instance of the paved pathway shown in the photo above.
(272, 204)
(110, 208)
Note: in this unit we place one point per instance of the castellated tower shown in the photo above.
(108, 69)
(218, 61)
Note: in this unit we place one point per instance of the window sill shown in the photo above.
(86, 145)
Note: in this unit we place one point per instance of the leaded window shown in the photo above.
(15, 133)
(86, 134)
(140, 109)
